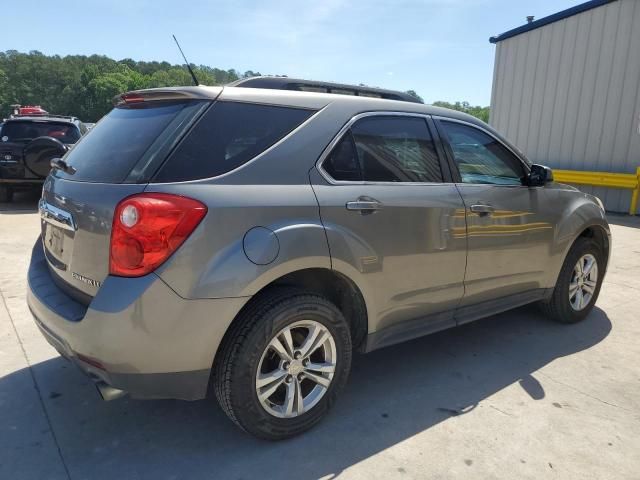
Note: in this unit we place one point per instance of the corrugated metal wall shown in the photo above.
(568, 93)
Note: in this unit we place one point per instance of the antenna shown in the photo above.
(193, 75)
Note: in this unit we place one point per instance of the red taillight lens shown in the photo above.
(148, 228)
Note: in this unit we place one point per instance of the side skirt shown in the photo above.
(419, 327)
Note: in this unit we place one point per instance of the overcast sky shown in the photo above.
(440, 48)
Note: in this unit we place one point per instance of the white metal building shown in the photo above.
(566, 90)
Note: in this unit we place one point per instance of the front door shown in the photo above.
(509, 231)
(393, 224)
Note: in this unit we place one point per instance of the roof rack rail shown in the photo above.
(286, 83)
(44, 115)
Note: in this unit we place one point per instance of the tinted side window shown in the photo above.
(481, 158)
(229, 135)
(342, 164)
(396, 149)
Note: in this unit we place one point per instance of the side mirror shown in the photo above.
(539, 175)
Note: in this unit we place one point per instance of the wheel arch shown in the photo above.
(599, 231)
(332, 285)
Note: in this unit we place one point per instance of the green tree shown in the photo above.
(84, 86)
(479, 112)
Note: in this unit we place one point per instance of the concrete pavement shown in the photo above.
(512, 396)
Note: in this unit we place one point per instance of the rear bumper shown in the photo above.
(136, 335)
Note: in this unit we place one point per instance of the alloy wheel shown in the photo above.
(583, 282)
(296, 369)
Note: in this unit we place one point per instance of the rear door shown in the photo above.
(509, 225)
(111, 162)
(394, 221)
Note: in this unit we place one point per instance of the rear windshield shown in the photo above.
(111, 149)
(228, 135)
(23, 131)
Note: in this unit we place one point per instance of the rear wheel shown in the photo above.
(578, 284)
(283, 364)
(6, 194)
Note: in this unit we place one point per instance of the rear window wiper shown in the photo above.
(60, 164)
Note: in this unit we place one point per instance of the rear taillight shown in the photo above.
(148, 228)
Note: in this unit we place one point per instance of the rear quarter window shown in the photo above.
(227, 136)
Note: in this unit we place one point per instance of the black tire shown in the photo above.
(558, 307)
(237, 361)
(6, 194)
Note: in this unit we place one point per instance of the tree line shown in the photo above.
(84, 86)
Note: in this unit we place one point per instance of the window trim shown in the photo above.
(445, 169)
(453, 166)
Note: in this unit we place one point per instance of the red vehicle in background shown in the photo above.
(28, 110)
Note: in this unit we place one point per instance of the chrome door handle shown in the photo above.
(364, 206)
(482, 209)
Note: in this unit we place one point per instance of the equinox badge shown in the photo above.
(88, 281)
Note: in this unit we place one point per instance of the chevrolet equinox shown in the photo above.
(248, 240)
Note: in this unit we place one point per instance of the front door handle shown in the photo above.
(482, 209)
(364, 205)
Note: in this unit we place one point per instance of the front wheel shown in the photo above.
(283, 364)
(578, 284)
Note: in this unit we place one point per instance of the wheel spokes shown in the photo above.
(321, 367)
(573, 288)
(268, 383)
(319, 379)
(280, 349)
(584, 282)
(296, 369)
(589, 262)
(294, 402)
(589, 287)
(316, 337)
(579, 298)
(288, 342)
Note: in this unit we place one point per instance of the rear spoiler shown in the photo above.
(167, 94)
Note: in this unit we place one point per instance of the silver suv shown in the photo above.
(249, 240)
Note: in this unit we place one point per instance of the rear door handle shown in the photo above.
(364, 206)
(482, 209)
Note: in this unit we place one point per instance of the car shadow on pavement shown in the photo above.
(392, 394)
(23, 202)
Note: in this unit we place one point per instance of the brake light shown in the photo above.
(148, 228)
(132, 98)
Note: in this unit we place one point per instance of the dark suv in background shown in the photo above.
(28, 143)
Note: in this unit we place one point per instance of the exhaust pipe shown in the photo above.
(108, 393)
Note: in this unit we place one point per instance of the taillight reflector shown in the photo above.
(148, 228)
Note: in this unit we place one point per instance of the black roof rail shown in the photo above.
(296, 84)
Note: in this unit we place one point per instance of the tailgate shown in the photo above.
(111, 162)
(76, 222)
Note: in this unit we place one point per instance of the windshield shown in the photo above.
(23, 131)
